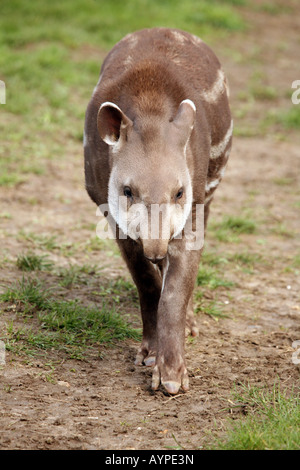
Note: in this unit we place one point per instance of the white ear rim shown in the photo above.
(125, 122)
(191, 103)
(107, 138)
(109, 103)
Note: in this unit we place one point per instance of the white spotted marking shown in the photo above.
(196, 40)
(179, 36)
(128, 61)
(213, 94)
(227, 88)
(131, 39)
(177, 60)
(85, 139)
(222, 171)
(212, 184)
(217, 150)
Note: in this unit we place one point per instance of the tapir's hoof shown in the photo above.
(191, 327)
(171, 386)
(193, 331)
(145, 358)
(150, 361)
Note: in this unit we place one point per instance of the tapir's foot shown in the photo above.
(146, 354)
(191, 327)
(172, 378)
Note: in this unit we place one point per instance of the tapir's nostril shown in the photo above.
(155, 259)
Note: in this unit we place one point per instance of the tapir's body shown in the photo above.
(158, 132)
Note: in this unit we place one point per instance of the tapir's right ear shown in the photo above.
(112, 123)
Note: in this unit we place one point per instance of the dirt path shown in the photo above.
(107, 403)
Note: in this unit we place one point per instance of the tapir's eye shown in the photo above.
(127, 191)
(179, 193)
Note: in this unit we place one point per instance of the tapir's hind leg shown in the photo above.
(149, 282)
(190, 322)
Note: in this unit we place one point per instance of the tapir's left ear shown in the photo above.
(184, 120)
(112, 123)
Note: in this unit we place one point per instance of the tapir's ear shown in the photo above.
(184, 120)
(112, 123)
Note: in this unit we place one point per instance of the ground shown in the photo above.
(105, 402)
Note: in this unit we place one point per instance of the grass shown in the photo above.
(119, 290)
(50, 58)
(271, 422)
(62, 324)
(291, 118)
(79, 22)
(75, 273)
(231, 227)
(263, 92)
(41, 241)
(33, 262)
(208, 276)
(211, 308)
(287, 119)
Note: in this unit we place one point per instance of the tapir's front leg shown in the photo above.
(148, 282)
(178, 284)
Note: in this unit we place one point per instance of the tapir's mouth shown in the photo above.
(155, 259)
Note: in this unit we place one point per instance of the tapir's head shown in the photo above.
(150, 190)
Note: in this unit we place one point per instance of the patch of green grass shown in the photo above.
(271, 422)
(263, 92)
(79, 22)
(272, 8)
(291, 118)
(296, 261)
(119, 290)
(247, 261)
(283, 181)
(8, 178)
(238, 225)
(208, 276)
(50, 58)
(213, 259)
(42, 241)
(27, 292)
(97, 244)
(281, 230)
(63, 324)
(246, 258)
(211, 308)
(74, 274)
(230, 227)
(33, 262)
(288, 119)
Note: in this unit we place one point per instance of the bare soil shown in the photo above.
(107, 403)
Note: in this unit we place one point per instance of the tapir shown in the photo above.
(158, 133)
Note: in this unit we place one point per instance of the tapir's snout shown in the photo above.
(155, 250)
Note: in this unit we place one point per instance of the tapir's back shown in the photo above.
(188, 53)
(177, 66)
